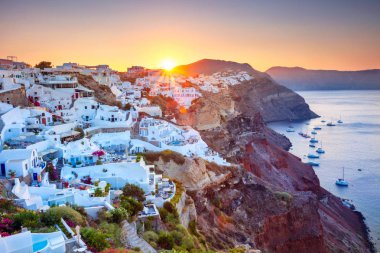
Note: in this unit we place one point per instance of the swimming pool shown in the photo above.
(37, 247)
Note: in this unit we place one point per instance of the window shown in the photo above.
(26, 166)
(85, 107)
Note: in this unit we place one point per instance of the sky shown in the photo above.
(324, 34)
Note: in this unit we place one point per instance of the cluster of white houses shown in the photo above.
(61, 125)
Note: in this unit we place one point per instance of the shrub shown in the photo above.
(7, 206)
(193, 228)
(237, 250)
(284, 196)
(79, 209)
(26, 218)
(114, 232)
(98, 192)
(132, 206)
(131, 190)
(150, 236)
(177, 237)
(54, 215)
(118, 215)
(188, 243)
(169, 207)
(165, 240)
(166, 155)
(94, 238)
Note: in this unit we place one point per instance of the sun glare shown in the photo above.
(167, 64)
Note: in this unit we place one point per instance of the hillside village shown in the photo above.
(63, 148)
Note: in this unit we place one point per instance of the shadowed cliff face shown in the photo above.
(271, 201)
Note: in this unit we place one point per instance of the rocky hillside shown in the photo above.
(304, 79)
(270, 200)
(209, 67)
(259, 95)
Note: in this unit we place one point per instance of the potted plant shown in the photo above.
(12, 174)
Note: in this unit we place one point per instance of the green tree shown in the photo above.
(133, 191)
(43, 65)
(132, 206)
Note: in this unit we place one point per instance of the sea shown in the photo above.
(353, 144)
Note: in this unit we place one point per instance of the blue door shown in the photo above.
(3, 169)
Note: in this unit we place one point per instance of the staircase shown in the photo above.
(131, 240)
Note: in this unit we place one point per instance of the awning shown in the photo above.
(69, 134)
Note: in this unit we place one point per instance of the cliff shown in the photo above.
(303, 79)
(258, 95)
(210, 66)
(270, 200)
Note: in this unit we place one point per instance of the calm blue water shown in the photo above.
(355, 144)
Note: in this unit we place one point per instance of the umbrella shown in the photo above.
(99, 153)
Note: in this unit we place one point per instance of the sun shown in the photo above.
(167, 64)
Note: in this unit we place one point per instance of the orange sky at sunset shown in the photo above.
(341, 35)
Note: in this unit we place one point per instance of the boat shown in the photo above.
(304, 135)
(313, 163)
(341, 181)
(323, 121)
(313, 132)
(313, 140)
(330, 124)
(290, 130)
(312, 156)
(312, 145)
(317, 128)
(320, 150)
(340, 120)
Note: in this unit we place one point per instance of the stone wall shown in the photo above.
(15, 97)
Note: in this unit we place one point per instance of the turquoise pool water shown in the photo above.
(39, 246)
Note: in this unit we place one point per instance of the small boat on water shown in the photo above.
(312, 145)
(304, 135)
(340, 120)
(312, 163)
(314, 156)
(323, 121)
(320, 150)
(341, 181)
(313, 140)
(290, 130)
(317, 128)
(330, 124)
(313, 132)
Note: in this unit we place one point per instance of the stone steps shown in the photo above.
(132, 240)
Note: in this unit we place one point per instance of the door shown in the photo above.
(3, 169)
(44, 121)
